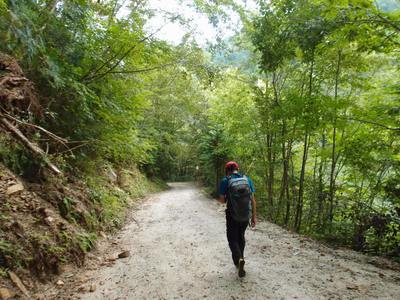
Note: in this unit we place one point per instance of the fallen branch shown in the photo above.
(15, 279)
(28, 144)
(50, 134)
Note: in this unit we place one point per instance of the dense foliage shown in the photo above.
(105, 83)
(305, 98)
(318, 129)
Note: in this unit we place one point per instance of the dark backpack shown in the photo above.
(239, 197)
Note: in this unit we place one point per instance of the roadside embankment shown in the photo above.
(48, 224)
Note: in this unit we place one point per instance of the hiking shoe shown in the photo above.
(241, 271)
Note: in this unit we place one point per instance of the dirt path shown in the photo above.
(180, 252)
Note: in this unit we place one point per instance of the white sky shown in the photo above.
(173, 32)
(198, 24)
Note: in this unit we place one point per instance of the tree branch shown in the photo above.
(143, 70)
(130, 49)
(388, 22)
(371, 123)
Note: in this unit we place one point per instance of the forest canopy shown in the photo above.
(305, 96)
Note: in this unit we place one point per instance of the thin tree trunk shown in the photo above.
(332, 181)
(321, 194)
(314, 197)
(271, 158)
(284, 181)
(261, 144)
(299, 210)
(294, 187)
(287, 160)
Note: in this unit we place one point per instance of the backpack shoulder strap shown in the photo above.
(228, 180)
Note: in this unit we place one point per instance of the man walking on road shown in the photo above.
(238, 192)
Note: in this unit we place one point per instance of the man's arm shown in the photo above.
(253, 211)
(222, 191)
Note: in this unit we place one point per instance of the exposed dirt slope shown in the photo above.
(50, 226)
(179, 251)
(35, 236)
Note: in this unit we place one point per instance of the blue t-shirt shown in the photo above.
(223, 187)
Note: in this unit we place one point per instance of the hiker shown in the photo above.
(238, 192)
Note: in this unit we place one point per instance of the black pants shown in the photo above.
(235, 234)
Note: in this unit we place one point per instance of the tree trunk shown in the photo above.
(284, 171)
(299, 209)
(314, 196)
(320, 194)
(271, 161)
(286, 167)
(283, 195)
(332, 181)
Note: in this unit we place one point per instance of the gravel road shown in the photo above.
(178, 250)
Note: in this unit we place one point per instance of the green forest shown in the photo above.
(305, 96)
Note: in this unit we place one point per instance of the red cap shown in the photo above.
(231, 165)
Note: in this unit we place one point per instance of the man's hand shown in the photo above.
(221, 199)
(253, 221)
